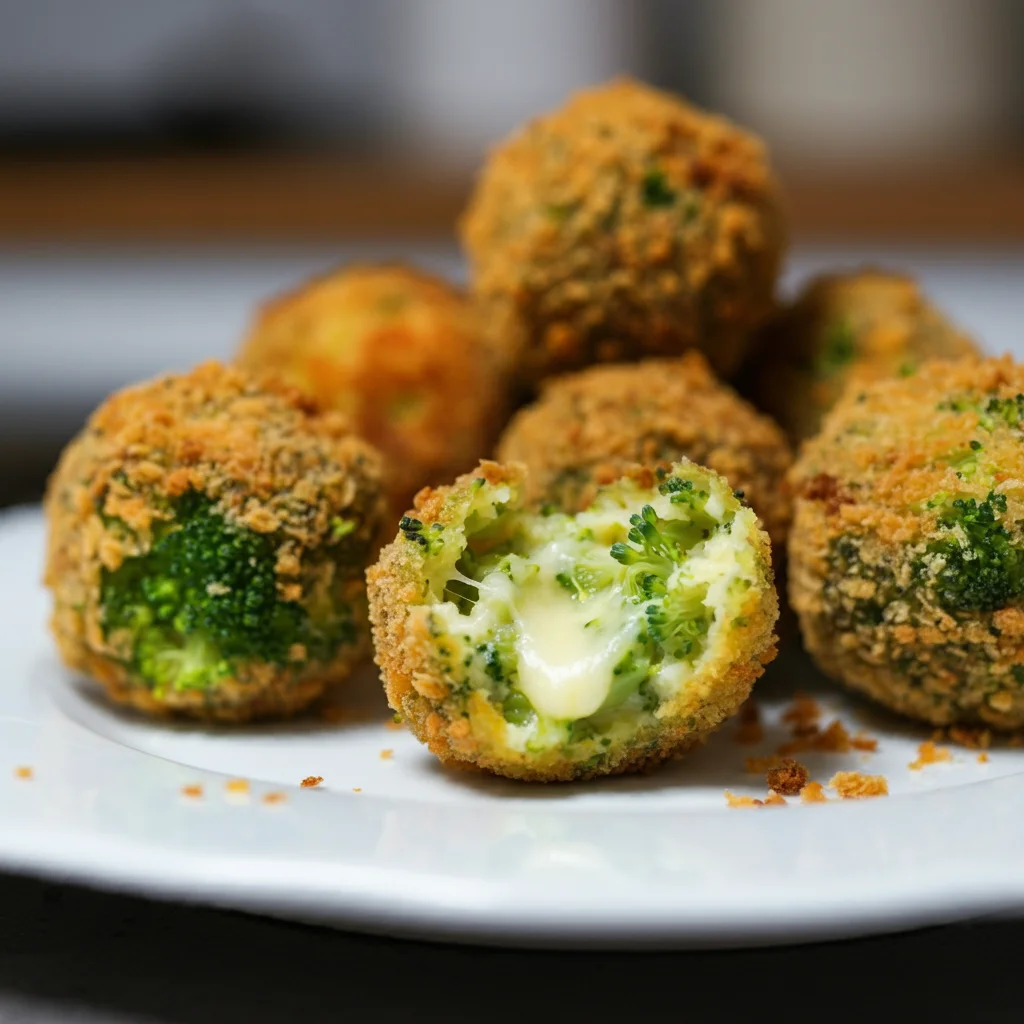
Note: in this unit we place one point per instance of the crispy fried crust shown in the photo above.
(268, 460)
(416, 686)
(863, 523)
(882, 324)
(624, 224)
(587, 428)
(400, 352)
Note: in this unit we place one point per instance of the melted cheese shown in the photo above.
(566, 668)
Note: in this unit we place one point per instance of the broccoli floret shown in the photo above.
(204, 599)
(655, 189)
(431, 538)
(1009, 410)
(838, 350)
(660, 545)
(676, 617)
(980, 570)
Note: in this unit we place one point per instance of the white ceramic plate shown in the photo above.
(422, 851)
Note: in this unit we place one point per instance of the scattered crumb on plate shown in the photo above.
(856, 785)
(357, 789)
(238, 786)
(787, 778)
(929, 753)
(193, 791)
(834, 739)
(802, 715)
(862, 742)
(274, 797)
(311, 781)
(973, 738)
(749, 731)
(983, 758)
(741, 801)
(813, 793)
(386, 755)
(771, 800)
(23, 771)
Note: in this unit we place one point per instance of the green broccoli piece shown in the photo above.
(1009, 410)
(655, 189)
(838, 350)
(676, 617)
(430, 538)
(980, 570)
(204, 599)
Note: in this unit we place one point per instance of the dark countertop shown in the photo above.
(73, 955)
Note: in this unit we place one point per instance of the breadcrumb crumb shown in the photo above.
(834, 740)
(311, 781)
(741, 801)
(274, 797)
(193, 792)
(983, 758)
(929, 753)
(813, 793)
(387, 755)
(237, 785)
(749, 731)
(357, 789)
(857, 786)
(973, 738)
(24, 772)
(788, 778)
(771, 800)
(803, 715)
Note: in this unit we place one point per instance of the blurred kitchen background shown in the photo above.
(164, 165)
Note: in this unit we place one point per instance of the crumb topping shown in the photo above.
(813, 793)
(788, 778)
(929, 753)
(857, 786)
(311, 781)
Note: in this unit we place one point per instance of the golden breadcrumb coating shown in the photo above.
(270, 463)
(845, 330)
(624, 224)
(906, 556)
(469, 730)
(398, 351)
(588, 428)
(857, 786)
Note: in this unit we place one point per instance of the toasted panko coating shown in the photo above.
(466, 720)
(624, 224)
(588, 428)
(906, 555)
(400, 352)
(846, 330)
(272, 469)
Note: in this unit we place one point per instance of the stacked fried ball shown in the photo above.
(600, 597)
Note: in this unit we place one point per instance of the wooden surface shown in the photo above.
(306, 198)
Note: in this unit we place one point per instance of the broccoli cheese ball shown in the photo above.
(556, 647)
(588, 427)
(626, 223)
(906, 557)
(399, 352)
(846, 329)
(207, 541)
